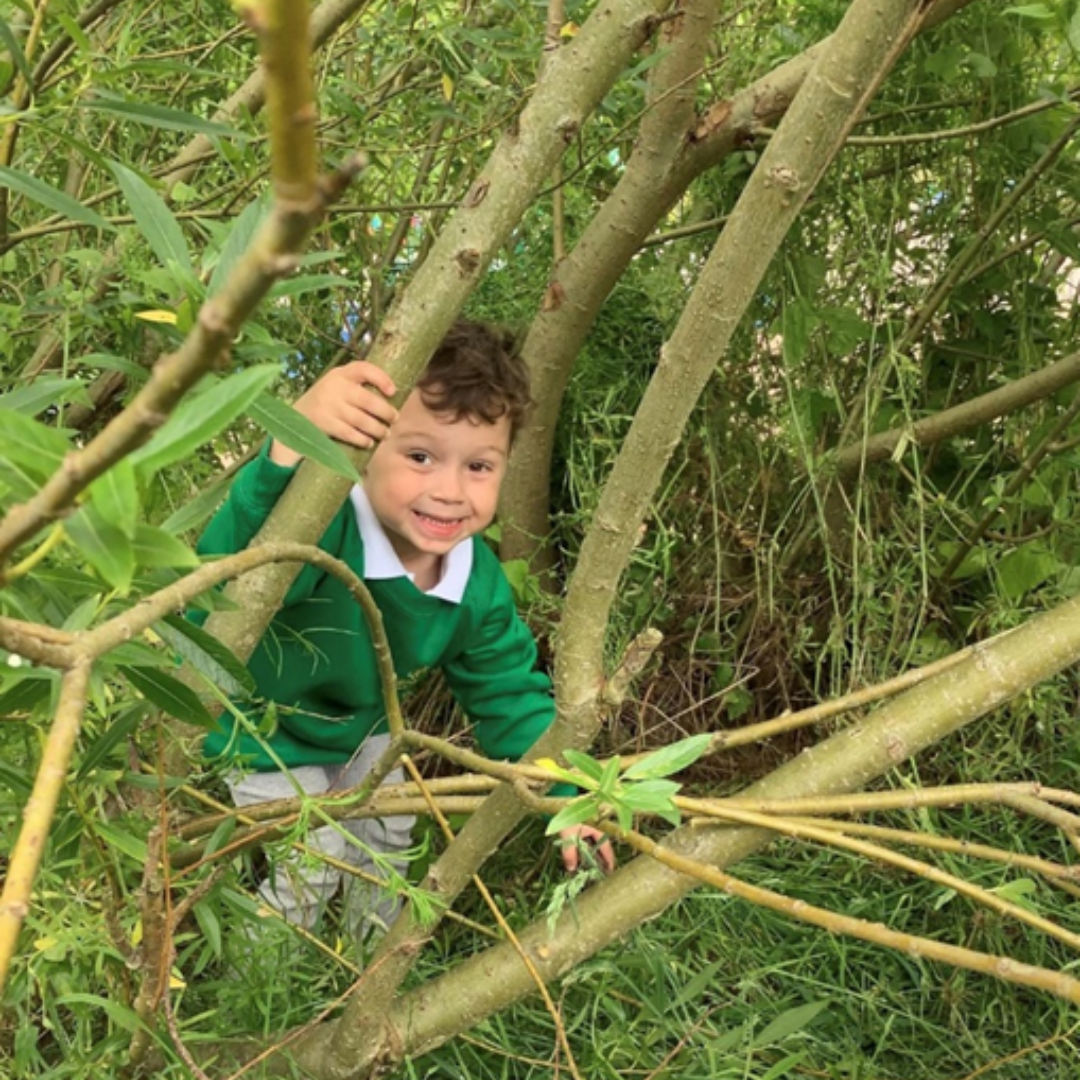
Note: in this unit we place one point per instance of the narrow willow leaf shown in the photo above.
(209, 924)
(168, 694)
(199, 419)
(154, 219)
(52, 198)
(103, 545)
(239, 239)
(37, 449)
(116, 497)
(157, 547)
(788, 1023)
(195, 512)
(74, 31)
(24, 696)
(208, 656)
(17, 781)
(585, 764)
(159, 116)
(671, 759)
(15, 51)
(108, 362)
(120, 1015)
(132, 846)
(585, 808)
(117, 731)
(40, 394)
(298, 433)
(18, 481)
(296, 286)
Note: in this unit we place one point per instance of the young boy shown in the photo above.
(411, 530)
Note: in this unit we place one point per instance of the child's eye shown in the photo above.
(481, 466)
(419, 457)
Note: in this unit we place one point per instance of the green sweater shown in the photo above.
(317, 662)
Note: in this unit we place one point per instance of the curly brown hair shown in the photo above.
(477, 372)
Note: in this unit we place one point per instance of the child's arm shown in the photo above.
(340, 404)
(496, 682)
(349, 403)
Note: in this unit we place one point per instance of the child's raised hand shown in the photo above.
(349, 403)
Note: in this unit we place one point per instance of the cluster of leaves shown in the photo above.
(642, 788)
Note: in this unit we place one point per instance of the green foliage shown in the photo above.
(640, 789)
(766, 603)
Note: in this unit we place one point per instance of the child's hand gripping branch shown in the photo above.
(349, 403)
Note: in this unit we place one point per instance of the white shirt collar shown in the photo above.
(381, 560)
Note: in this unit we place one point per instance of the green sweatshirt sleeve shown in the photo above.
(495, 678)
(254, 493)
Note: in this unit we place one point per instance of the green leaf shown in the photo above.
(296, 286)
(298, 433)
(113, 735)
(24, 696)
(15, 780)
(36, 448)
(1022, 892)
(585, 764)
(52, 198)
(40, 394)
(74, 31)
(785, 1067)
(209, 924)
(17, 480)
(798, 324)
(609, 777)
(120, 1015)
(158, 116)
(200, 418)
(585, 808)
(1025, 568)
(116, 497)
(195, 512)
(103, 545)
(239, 239)
(18, 57)
(132, 846)
(788, 1023)
(1039, 12)
(704, 980)
(157, 547)
(650, 792)
(208, 656)
(108, 362)
(168, 694)
(154, 219)
(671, 759)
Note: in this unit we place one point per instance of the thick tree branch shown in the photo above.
(949, 422)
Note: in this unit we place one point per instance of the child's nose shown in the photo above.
(449, 488)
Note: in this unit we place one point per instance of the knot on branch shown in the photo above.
(783, 176)
(468, 261)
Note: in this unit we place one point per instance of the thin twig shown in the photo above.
(537, 978)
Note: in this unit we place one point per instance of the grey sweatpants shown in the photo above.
(299, 887)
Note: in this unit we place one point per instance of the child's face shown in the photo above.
(434, 481)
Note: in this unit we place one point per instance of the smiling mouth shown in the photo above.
(443, 526)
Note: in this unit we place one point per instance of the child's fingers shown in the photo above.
(362, 420)
(362, 373)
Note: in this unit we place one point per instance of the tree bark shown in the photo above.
(667, 162)
(1020, 393)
